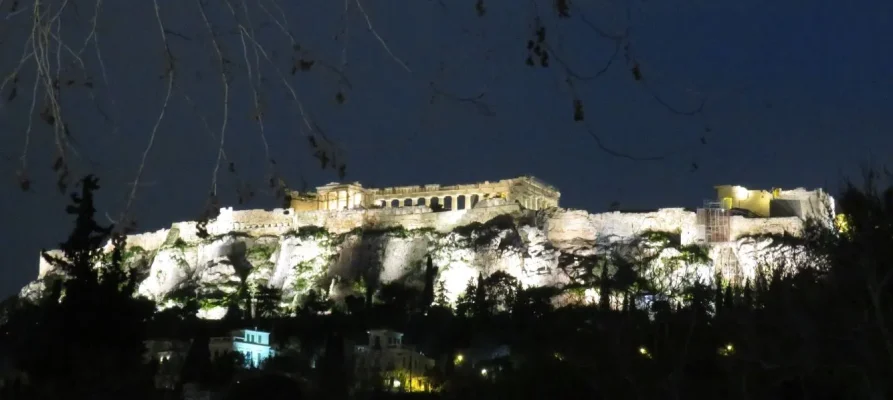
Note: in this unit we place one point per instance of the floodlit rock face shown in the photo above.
(334, 251)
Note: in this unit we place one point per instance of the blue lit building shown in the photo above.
(252, 344)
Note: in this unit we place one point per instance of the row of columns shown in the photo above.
(536, 203)
(459, 202)
(341, 199)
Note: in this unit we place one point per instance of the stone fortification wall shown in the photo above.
(259, 222)
(338, 221)
(441, 221)
(407, 217)
(280, 221)
(579, 225)
(742, 226)
(148, 241)
(185, 231)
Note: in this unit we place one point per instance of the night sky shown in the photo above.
(797, 94)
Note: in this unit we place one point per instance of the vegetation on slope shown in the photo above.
(821, 330)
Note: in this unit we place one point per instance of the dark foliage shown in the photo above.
(85, 339)
(820, 329)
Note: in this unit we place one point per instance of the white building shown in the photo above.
(386, 357)
(253, 345)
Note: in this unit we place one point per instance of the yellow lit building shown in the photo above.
(755, 201)
(776, 202)
(401, 367)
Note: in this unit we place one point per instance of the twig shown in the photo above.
(225, 118)
(258, 110)
(379, 38)
(169, 73)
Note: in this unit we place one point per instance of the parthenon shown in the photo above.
(527, 191)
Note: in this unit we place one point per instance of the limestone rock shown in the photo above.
(341, 246)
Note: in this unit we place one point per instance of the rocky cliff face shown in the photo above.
(548, 247)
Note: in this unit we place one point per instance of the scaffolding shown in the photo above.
(713, 223)
(727, 265)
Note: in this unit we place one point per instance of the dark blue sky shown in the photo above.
(797, 94)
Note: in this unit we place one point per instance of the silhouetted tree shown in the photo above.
(718, 294)
(87, 338)
(332, 370)
(315, 303)
(266, 300)
(728, 298)
(198, 367)
(267, 387)
(428, 293)
(398, 299)
(500, 291)
(440, 298)
(354, 304)
(465, 301)
(481, 305)
(223, 368)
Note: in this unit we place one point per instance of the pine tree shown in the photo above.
(428, 293)
(718, 295)
(747, 296)
(728, 298)
(88, 342)
(198, 368)
(465, 302)
(440, 298)
(480, 307)
(333, 371)
(604, 290)
(267, 300)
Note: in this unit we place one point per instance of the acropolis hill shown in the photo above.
(329, 238)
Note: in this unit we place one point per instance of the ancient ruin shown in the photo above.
(513, 225)
(527, 191)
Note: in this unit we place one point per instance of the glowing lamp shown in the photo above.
(741, 193)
